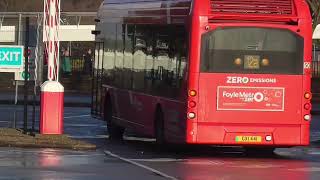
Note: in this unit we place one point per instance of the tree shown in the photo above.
(3, 5)
(315, 11)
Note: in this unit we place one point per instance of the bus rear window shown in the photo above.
(252, 51)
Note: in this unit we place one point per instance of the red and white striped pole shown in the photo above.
(52, 92)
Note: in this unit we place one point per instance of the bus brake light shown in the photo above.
(307, 106)
(307, 95)
(192, 104)
(192, 93)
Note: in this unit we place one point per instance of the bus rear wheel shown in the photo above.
(115, 132)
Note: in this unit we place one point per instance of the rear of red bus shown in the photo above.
(249, 80)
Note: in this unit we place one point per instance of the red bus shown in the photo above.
(214, 72)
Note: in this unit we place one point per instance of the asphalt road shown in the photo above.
(138, 158)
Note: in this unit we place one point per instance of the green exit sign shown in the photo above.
(11, 57)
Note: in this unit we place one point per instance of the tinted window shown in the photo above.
(252, 50)
(128, 57)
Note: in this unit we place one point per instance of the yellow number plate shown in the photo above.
(249, 139)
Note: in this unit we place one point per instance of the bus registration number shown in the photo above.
(251, 62)
(249, 139)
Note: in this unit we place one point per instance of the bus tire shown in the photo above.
(159, 127)
(115, 132)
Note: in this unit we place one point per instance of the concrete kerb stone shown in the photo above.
(15, 138)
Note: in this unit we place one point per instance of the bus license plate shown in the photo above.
(249, 139)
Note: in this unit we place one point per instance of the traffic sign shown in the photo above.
(23, 75)
(11, 58)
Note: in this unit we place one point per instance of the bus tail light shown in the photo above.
(307, 117)
(191, 115)
(238, 61)
(265, 62)
(307, 106)
(192, 104)
(268, 138)
(192, 93)
(307, 95)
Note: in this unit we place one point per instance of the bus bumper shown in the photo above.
(273, 135)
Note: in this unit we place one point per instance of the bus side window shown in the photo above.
(161, 61)
(139, 57)
(177, 60)
(149, 66)
(180, 55)
(109, 54)
(119, 55)
(128, 57)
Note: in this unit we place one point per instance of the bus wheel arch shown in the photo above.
(115, 132)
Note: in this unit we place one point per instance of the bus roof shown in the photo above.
(177, 11)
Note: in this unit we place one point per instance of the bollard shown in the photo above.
(52, 107)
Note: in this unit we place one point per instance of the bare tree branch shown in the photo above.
(315, 11)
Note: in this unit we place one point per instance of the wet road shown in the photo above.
(136, 159)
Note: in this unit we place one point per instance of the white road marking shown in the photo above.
(159, 160)
(140, 165)
(79, 116)
(258, 166)
(90, 137)
(314, 153)
(218, 163)
(84, 125)
(138, 139)
(70, 113)
(307, 169)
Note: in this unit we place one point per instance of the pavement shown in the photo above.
(70, 99)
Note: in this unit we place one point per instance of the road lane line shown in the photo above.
(306, 169)
(132, 138)
(140, 165)
(159, 160)
(85, 125)
(90, 137)
(70, 117)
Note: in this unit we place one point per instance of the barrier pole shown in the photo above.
(52, 92)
